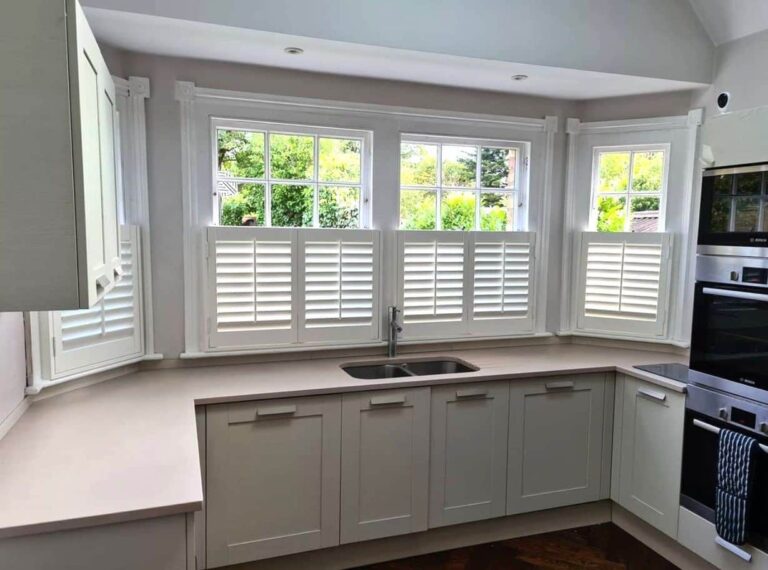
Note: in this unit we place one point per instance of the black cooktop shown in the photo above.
(673, 370)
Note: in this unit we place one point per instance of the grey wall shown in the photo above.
(13, 374)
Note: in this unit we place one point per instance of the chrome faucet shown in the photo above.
(394, 329)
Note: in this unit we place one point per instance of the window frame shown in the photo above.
(519, 193)
(317, 132)
(632, 149)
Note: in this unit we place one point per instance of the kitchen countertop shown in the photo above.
(126, 449)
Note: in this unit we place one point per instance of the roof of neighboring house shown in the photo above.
(645, 221)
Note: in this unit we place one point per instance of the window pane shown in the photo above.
(645, 214)
(457, 211)
(648, 171)
(721, 215)
(611, 214)
(417, 209)
(613, 172)
(724, 184)
(418, 164)
(240, 153)
(497, 212)
(339, 160)
(459, 166)
(746, 215)
(339, 207)
(292, 205)
(241, 204)
(498, 167)
(749, 184)
(291, 157)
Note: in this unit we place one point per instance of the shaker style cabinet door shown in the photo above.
(468, 456)
(555, 442)
(272, 478)
(648, 451)
(385, 463)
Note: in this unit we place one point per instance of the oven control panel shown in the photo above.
(745, 271)
(729, 409)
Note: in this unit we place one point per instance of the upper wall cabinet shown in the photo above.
(58, 163)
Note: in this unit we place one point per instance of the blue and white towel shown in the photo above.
(735, 479)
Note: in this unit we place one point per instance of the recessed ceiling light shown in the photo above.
(519, 77)
(293, 50)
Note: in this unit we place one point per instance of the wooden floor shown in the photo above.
(601, 547)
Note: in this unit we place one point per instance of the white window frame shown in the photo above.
(519, 192)
(629, 193)
(317, 132)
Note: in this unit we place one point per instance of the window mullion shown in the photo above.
(478, 185)
(439, 186)
(628, 205)
(316, 176)
(268, 183)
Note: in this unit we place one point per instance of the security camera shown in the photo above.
(723, 99)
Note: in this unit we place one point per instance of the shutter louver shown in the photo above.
(501, 279)
(433, 281)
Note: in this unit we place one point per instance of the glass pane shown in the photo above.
(746, 215)
(721, 215)
(292, 205)
(497, 212)
(723, 184)
(291, 157)
(241, 204)
(648, 171)
(457, 211)
(459, 166)
(645, 214)
(340, 160)
(749, 184)
(339, 207)
(498, 167)
(765, 216)
(418, 164)
(240, 153)
(611, 214)
(613, 172)
(417, 209)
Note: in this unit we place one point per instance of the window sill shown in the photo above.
(620, 337)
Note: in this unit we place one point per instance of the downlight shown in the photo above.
(293, 50)
(519, 77)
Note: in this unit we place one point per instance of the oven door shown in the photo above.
(734, 207)
(729, 339)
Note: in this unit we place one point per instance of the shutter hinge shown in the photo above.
(207, 249)
(53, 345)
(525, 161)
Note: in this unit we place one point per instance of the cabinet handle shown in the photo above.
(564, 385)
(733, 549)
(652, 394)
(276, 411)
(471, 393)
(387, 400)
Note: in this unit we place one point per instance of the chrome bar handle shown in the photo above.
(715, 429)
(733, 549)
(652, 394)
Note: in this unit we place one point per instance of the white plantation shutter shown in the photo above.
(109, 331)
(251, 286)
(624, 281)
(341, 270)
(502, 299)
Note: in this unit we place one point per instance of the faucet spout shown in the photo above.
(394, 329)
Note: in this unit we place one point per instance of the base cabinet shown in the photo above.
(555, 442)
(272, 478)
(648, 448)
(468, 456)
(385, 463)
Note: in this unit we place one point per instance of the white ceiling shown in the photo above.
(728, 20)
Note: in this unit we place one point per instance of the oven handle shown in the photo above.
(734, 294)
(715, 429)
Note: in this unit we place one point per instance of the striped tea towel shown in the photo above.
(735, 477)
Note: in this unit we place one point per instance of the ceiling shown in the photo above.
(729, 20)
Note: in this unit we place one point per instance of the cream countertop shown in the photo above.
(127, 448)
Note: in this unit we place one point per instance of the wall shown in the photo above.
(13, 373)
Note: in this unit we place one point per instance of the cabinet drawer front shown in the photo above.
(468, 455)
(555, 442)
(272, 478)
(385, 463)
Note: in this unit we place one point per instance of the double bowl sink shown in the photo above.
(406, 368)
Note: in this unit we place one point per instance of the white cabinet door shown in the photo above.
(272, 478)
(468, 456)
(648, 450)
(555, 442)
(385, 463)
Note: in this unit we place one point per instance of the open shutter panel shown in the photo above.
(624, 283)
(111, 329)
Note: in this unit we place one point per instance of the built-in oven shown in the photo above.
(734, 211)
(729, 338)
(707, 412)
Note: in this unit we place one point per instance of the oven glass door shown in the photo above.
(734, 209)
(730, 333)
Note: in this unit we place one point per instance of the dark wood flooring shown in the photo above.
(600, 547)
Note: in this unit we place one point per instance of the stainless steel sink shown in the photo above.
(401, 369)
